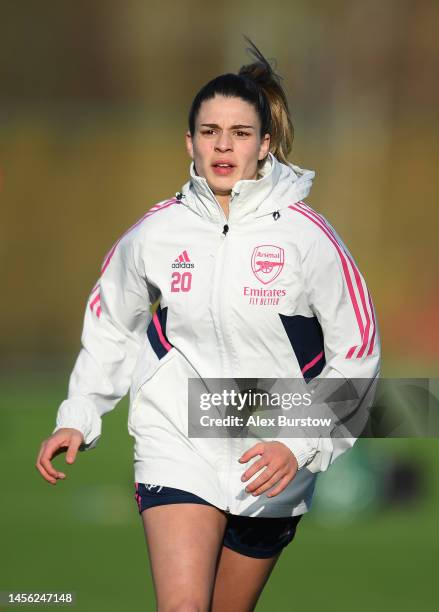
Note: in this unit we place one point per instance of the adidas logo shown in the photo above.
(183, 261)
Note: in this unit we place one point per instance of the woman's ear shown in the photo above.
(189, 145)
(265, 147)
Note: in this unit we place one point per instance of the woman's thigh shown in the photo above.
(184, 541)
(240, 580)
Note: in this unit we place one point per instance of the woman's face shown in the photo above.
(227, 145)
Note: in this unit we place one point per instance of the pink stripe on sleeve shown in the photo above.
(351, 351)
(365, 335)
(344, 265)
(357, 278)
(372, 340)
(153, 210)
(96, 299)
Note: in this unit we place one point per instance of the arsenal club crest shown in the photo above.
(267, 262)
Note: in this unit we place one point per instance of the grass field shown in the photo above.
(84, 534)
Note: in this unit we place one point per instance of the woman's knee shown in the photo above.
(183, 605)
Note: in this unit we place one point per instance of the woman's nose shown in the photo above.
(224, 142)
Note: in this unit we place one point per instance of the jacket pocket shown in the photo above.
(137, 392)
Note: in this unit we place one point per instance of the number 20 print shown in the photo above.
(181, 282)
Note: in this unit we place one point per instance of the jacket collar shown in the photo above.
(279, 185)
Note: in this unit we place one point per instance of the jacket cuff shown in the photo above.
(79, 413)
(304, 449)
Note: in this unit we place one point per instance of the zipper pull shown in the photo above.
(228, 510)
(225, 230)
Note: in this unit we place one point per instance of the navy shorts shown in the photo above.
(252, 536)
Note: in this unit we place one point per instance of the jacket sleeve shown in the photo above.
(338, 296)
(116, 318)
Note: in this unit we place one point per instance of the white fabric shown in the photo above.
(215, 331)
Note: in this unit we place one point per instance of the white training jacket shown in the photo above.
(270, 292)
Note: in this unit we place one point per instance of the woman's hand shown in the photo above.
(64, 439)
(280, 467)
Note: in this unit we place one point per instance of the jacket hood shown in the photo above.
(280, 185)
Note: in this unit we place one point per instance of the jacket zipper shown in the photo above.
(221, 335)
(222, 311)
(222, 329)
(218, 308)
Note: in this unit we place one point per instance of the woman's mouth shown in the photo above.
(223, 168)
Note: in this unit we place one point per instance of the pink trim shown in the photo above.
(312, 363)
(361, 292)
(351, 351)
(150, 212)
(98, 312)
(96, 299)
(372, 340)
(365, 336)
(162, 339)
(345, 270)
(137, 495)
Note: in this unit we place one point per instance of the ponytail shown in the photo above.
(281, 128)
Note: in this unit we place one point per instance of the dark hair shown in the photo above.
(258, 84)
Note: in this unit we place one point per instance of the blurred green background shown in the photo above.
(93, 103)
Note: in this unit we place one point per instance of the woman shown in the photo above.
(251, 282)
